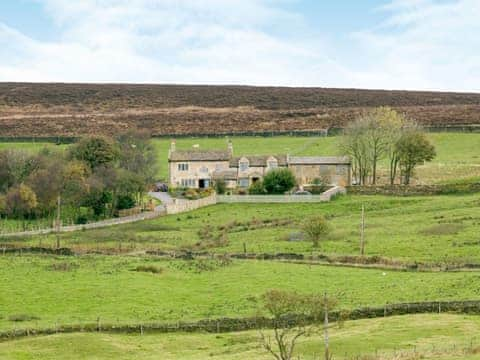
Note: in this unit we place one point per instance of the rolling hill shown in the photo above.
(70, 110)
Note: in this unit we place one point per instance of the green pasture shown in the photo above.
(443, 337)
(430, 229)
(41, 291)
(458, 154)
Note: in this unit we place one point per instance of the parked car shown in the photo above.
(302, 192)
(161, 187)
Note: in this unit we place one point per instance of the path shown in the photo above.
(164, 197)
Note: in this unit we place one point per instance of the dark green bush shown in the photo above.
(125, 202)
(279, 181)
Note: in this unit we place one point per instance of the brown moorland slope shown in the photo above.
(50, 110)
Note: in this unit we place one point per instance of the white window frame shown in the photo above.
(243, 165)
(188, 183)
(183, 167)
(244, 182)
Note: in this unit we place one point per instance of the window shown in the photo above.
(243, 183)
(272, 164)
(189, 183)
(243, 165)
(182, 167)
(204, 169)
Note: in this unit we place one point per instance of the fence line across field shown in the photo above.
(183, 205)
(224, 325)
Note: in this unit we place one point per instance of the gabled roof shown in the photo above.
(225, 174)
(259, 160)
(316, 160)
(199, 155)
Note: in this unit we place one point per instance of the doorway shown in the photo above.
(203, 183)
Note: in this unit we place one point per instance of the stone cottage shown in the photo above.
(198, 168)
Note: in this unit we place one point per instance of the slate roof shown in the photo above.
(315, 160)
(225, 174)
(259, 160)
(199, 155)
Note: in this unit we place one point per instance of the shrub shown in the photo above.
(315, 228)
(149, 268)
(279, 181)
(257, 188)
(22, 317)
(63, 266)
(220, 186)
(125, 202)
(443, 229)
(191, 194)
(81, 220)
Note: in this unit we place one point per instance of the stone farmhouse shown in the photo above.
(198, 168)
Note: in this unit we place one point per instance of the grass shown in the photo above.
(429, 336)
(430, 229)
(458, 157)
(108, 288)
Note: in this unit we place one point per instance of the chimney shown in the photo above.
(173, 146)
(230, 147)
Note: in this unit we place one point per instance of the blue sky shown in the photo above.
(392, 44)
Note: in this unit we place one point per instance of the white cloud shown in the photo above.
(421, 44)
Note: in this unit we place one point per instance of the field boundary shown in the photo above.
(222, 325)
(328, 131)
(326, 196)
(95, 225)
(350, 261)
(183, 205)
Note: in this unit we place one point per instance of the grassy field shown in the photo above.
(429, 229)
(44, 290)
(444, 337)
(458, 154)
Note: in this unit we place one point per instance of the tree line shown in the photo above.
(94, 178)
(383, 134)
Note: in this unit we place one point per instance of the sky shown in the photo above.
(375, 44)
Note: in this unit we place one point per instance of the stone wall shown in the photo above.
(415, 190)
(182, 205)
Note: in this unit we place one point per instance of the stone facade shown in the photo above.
(200, 168)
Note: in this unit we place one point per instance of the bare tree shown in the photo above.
(371, 138)
(294, 316)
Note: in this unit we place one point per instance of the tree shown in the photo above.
(294, 315)
(279, 181)
(220, 186)
(95, 151)
(355, 145)
(316, 228)
(3, 204)
(369, 139)
(20, 201)
(413, 148)
(138, 155)
(15, 167)
(47, 185)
